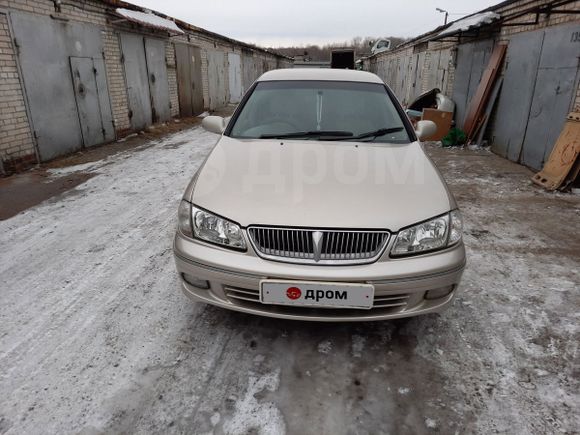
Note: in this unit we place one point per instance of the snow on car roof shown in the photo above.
(343, 75)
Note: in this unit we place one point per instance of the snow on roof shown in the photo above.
(149, 19)
(469, 22)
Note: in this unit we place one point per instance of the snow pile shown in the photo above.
(325, 347)
(149, 19)
(252, 416)
(84, 167)
(465, 24)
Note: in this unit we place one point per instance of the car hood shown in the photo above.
(320, 184)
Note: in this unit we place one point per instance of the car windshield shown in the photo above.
(320, 110)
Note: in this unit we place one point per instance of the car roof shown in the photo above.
(342, 75)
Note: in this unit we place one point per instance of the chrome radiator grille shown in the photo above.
(297, 245)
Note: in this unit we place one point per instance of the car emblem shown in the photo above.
(317, 241)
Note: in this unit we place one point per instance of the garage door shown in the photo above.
(539, 86)
(146, 80)
(471, 62)
(92, 100)
(189, 84)
(553, 94)
(249, 73)
(65, 83)
(218, 85)
(235, 77)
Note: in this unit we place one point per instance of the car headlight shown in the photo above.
(437, 233)
(184, 219)
(456, 230)
(209, 227)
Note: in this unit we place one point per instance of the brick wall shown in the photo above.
(16, 143)
(172, 78)
(16, 140)
(116, 81)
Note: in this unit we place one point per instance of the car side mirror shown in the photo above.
(215, 124)
(424, 129)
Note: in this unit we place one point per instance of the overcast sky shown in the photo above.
(297, 22)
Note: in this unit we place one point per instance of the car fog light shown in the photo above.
(438, 293)
(196, 282)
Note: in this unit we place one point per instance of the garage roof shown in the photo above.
(469, 23)
(149, 19)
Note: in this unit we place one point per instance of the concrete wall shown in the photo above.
(17, 143)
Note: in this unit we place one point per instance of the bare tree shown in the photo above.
(362, 46)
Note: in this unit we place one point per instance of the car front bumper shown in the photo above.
(400, 284)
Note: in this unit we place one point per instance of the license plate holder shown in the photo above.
(317, 294)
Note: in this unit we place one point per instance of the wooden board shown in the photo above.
(476, 107)
(564, 156)
(441, 119)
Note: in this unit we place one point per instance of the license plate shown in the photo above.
(316, 294)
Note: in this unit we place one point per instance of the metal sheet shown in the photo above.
(184, 82)
(471, 61)
(107, 120)
(218, 86)
(197, 84)
(47, 77)
(235, 77)
(516, 94)
(554, 92)
(88, 102)
(248, 70)
(551, 102)
(158, 82)
(189, 84)
(418, 87)
(436, 73)
(136, 79)
(478, 101)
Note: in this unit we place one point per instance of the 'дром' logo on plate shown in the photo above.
(293, 293)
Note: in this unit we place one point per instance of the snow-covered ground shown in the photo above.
(96, 337)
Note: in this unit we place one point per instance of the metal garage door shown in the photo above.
(218, 86)
(554, 92)
(146, 79)
(235, 77)
(89, 81)
(189, 84)
(64, 81)
(248, 70)
(436, 73)
(514, 102)
(539, 82)
(136, 79)
(471, 62)
(158, 82)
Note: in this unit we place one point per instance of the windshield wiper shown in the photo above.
(374, 134)
(298, 134)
